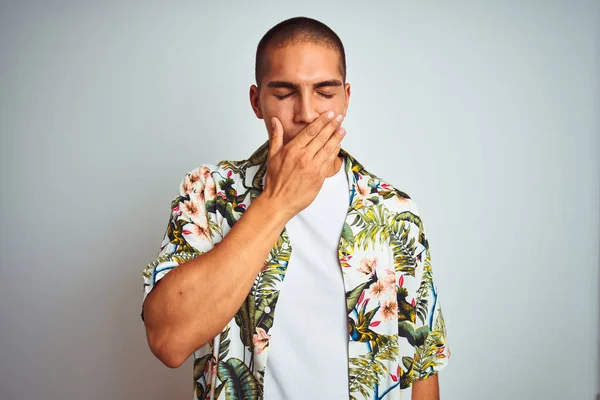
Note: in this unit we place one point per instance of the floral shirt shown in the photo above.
(396, 331)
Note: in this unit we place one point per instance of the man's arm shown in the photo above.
(191, 304)
(426, 389)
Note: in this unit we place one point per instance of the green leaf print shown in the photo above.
(409, 217)
(403, 248)
(364, 373)
(430, 353)
(347, 233)
(245, 320)
(175, 234)
(224, 208)
(219, 389)
(224, 343)
(257, 180)
(353, 296)
(368, 369)
(414, 337)
(265, 319)
(238, 381)
(179, 257)
(200, 366)
(273, 271)
(199, 381)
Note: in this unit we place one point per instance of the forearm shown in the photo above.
(426, 389)
(193, 302)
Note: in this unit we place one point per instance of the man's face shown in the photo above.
(300, 82)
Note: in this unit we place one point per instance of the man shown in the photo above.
(358, 315)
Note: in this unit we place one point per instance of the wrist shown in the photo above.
(272, 209)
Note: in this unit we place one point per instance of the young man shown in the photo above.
(297, 274)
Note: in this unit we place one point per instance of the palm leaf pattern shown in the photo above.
(238, 381)
(378, 226)
(367, 370)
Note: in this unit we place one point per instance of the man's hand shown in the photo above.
(296, 171)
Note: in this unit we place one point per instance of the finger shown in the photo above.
(275, 137)
(325, 167)
(310, 131)
(331, 147)
(319, 141)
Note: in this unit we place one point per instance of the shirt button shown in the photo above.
(267, 309)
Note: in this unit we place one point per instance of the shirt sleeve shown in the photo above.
(431, 350)
(191, 231)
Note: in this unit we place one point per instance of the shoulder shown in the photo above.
(223, 188)
(402, 211)
(211, 174)
(229, 174)
(393, 198)
(197, 179)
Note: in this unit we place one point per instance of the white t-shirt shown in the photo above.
(308, 351)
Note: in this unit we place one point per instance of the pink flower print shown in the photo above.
(200, 196)
(211, 190)
(389, 280)
(363, 192)
(191, 181)
(261, 340)
(204, 172)
(190, 208)
(194, 210)
(197, 231)
(188, 187)
(377, 289)
(194, 177)
(389, 310)
(368, 266)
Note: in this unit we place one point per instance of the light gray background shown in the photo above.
(487, 113)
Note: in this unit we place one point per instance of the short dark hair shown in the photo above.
(298, 30)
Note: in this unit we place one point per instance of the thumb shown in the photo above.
(275, 137)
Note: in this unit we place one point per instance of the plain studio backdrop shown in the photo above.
(486, 113)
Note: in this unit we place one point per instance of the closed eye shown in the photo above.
(285, 96)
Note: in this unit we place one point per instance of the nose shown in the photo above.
(305, 111)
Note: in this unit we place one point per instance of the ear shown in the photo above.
(255, 101)
(347, 102)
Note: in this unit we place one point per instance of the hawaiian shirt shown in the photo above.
(396, 331)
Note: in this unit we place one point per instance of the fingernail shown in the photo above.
(342, 131)
(339, 118)
(273, 122)
(330, 114)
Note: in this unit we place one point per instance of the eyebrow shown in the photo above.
(295, 86)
